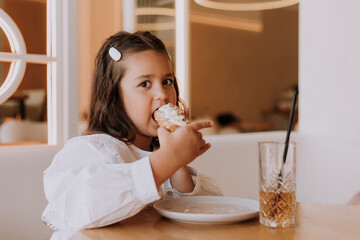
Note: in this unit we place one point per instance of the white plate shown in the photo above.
(207, 209)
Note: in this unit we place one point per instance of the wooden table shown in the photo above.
(314, 221)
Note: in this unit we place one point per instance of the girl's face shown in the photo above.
(148, 83)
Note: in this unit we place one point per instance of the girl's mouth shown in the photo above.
(153, 117)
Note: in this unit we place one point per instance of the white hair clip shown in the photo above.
(114, 54)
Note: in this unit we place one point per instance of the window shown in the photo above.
(38, 75)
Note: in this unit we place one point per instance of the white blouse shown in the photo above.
(97, 180)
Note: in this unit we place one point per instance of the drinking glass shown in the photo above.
(277, 184)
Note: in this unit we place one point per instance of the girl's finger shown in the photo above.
(200, 125)
(162, 131)
(205, 148)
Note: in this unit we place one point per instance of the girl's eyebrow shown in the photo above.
(168, 75)
(143, 76)
(151, 75)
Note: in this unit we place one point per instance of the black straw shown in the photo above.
(290, 124)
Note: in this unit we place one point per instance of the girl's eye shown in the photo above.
(168, 81)
(145, 84)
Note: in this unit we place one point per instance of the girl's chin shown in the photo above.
(153, 131)
(155, 126)
(155, 134)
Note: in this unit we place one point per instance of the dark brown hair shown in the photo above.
(107, 113)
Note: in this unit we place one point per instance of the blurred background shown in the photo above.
(243, 65)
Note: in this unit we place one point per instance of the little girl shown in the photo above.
(125, 161)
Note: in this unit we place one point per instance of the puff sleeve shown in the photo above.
(90, 184)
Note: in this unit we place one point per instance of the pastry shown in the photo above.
(170, 117)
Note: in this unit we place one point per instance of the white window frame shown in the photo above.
(62, 91)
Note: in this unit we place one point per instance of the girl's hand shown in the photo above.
(177, 149)
(185, 144)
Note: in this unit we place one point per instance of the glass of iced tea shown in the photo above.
(277, 184)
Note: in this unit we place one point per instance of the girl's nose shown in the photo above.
(160, 93)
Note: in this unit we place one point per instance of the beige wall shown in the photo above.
(243, 71)
(329, 100)
(97, 21)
